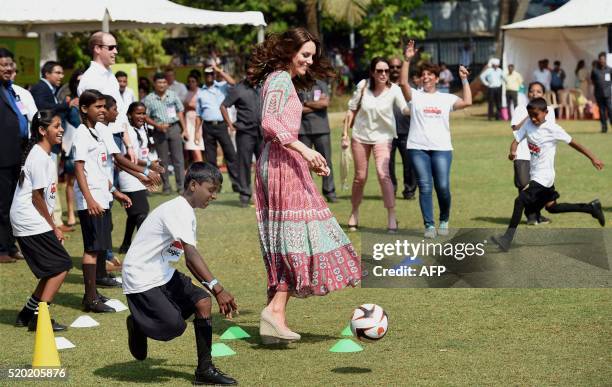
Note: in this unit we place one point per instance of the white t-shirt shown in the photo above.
(97, 77)
(111, 146)
(97, 158)
(429, 120)
(158, 242)
(375, 122)
(542, 142)
(543, 76)
(39, 172)
(127, 182)
(520, 113)
(127, 97)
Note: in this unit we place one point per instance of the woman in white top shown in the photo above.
(31, 217)
(373, 132)
(523, 156)
(429, 141)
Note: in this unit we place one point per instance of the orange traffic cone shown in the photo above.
(45, 351)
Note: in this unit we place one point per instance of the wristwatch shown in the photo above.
(210, 284)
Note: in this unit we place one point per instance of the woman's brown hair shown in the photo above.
(431, 67)
(277, 52)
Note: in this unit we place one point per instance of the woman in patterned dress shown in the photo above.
(305, 251)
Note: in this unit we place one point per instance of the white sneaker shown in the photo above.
(443, 229)
(430, 232)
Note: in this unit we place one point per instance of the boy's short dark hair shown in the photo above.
(603, 53)
(537, 104)
(202, 172)
(120, 74)
(158, 76)
(109, 101)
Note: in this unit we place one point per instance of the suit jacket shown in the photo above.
(44, 99)
(10, 134)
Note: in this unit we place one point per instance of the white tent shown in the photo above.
(577, 30)
(47, 17)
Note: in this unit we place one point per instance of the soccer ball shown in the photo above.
(369, 322)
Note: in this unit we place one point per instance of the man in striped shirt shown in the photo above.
(165, 114)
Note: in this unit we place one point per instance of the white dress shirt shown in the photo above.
(100, 78)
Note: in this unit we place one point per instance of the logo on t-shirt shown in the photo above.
(534, 149)
(432, 111)
(173, 252)
(51, 193)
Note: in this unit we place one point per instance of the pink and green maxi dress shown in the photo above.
(304, 249)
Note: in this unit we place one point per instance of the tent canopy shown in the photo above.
(576, 31)
(575, 13)
(76, 15)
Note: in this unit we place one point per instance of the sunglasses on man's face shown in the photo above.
(110, 47)
(395, 67)
(382, 71)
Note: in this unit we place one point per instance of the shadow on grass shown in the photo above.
(8, 316)
(493, 219)
(607, 209)
(147, 371)
(351, 370)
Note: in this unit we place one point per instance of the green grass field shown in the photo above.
(451, 337)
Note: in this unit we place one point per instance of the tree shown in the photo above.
(142, 46)
(390, 23)
(351, 12)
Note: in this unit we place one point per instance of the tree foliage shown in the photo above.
(390, 24)
(141, 46)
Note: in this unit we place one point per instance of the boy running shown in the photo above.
(160, 298)
(542, 137)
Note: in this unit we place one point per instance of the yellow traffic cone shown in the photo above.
(45, 351)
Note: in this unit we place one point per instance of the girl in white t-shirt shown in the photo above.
(374, 129)
(40, 240)
(521, 162)
(129, 184)
(94, 191)
(429, 141)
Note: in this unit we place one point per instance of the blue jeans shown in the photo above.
(432, 169)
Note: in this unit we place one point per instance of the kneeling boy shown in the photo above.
(542, 137)
(160, 298)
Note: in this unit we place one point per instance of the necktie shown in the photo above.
(12, 97)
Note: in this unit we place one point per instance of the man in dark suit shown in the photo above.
(45, 91)
(14, 129)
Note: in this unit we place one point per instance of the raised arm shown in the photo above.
(467, 91)
(409, 53)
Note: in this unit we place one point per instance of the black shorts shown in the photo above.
(161, 312)
(96, 231)
(535, 196)
(45, 254)
(140, 203)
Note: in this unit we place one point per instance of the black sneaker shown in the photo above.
(97, 306)
(544, 220)
(99, 296)
(107, 282)
(137, 341)
(501, 242)
(57, 327)
(597, 212)
(23, 320)
(212, 375)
